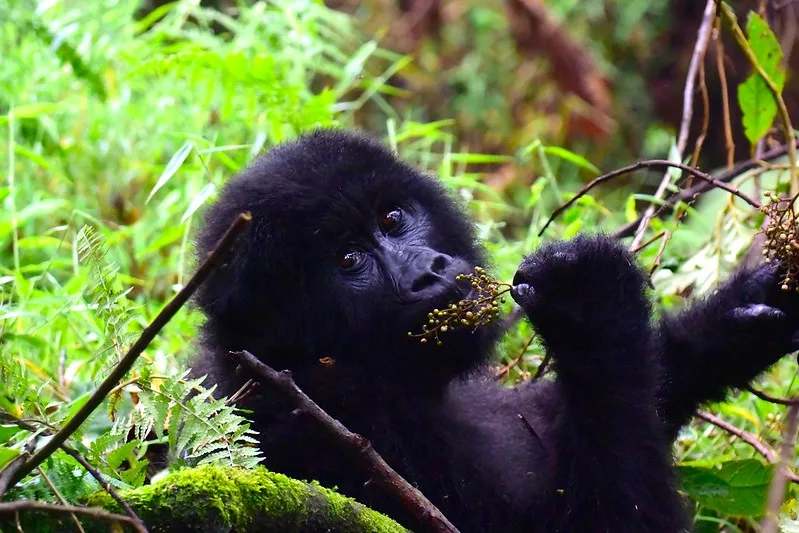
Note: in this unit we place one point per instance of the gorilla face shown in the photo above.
(390, 270)
(348, 250)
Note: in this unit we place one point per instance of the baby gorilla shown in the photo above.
(350, 248)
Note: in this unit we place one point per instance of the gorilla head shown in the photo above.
(348, 250)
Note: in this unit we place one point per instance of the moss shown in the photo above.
(213, 498)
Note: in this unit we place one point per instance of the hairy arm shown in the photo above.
(724, 341)
(612, 462)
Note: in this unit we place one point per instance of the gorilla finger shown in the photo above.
(522, 293)
(756, 312)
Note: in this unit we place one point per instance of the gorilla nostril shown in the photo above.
(521, 291)
(423, 282)
(439, 264)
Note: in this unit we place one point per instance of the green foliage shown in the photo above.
(115, 133)
(109, 304)
(732, 488)
(758, 105)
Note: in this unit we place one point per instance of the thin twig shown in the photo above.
(747, 437)
(72, 452)
(532, 431)
(243, 392)
(126, 363)
(503, 371)
(10, 470)
(652, 163)
(689, 195)
(725, 97)
(541, 368)
(427, 514)
(771, 399)
(659, 254)
(700, 48)
(700, 140)
(60, 497)
(12, 508)
(776, 491)
(643, 245)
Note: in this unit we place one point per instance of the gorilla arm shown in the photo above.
(612, 467)
(724, 341)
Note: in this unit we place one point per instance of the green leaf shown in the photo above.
(135, 475)
(766, 48)
(29, 212)
(197, 201)
(571, 157)
(757, 103)
(33, 110)
(7, 454)
(172, 167)
(125, 451)
(630, 213)
(480, 158)
(8, 431)
(737, 488)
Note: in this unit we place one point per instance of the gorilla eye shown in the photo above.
(390, 220)
(349, 260)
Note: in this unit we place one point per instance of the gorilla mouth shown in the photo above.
(463, 308)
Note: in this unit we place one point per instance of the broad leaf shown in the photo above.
(757, 103)
(736, 488)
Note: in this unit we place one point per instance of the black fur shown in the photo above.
(584, 452)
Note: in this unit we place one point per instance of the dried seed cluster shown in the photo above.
(479, 309)
(782, 239)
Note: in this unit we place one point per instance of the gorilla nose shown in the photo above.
(429, 272)
(425, 274)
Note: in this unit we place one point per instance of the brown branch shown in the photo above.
(541, 368)
(11, 469)
(138, 524)
(661, 250)
(689, 195)
(652, 239)
(126, 363)
(59, 497)
(771, 399)
(652, 163)
(747, 437)
(72, 452)
(532, 431)
(242, 393)
(427, 514)
(725, 98)
(700, 140)
(776, 491)
(503, 371)
(697, 58)
(12, 508)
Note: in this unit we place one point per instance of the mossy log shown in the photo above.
(226, 499)
(213, 498)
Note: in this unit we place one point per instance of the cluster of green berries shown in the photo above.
(782, 240)
(479, 309)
